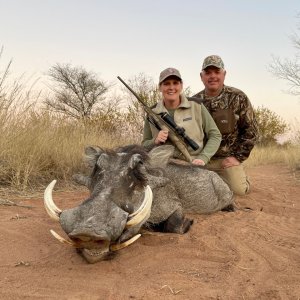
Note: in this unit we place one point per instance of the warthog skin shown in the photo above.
(116, 182)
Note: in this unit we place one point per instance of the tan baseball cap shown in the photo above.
(213, 60)
(167, 73)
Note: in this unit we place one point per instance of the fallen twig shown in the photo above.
(244, 267)
(11, 203)
(18, 217)
(22, 263)
(172, 291)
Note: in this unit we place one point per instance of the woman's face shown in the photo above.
(171, 89)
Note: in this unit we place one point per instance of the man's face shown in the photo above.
(213, 80)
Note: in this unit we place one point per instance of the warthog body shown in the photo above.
(117, 182)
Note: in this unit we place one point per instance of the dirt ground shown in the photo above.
(248, 254)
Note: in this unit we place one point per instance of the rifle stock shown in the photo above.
(172, 135)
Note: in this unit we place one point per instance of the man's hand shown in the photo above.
(161, 137)
(198, 162)
(230, 161)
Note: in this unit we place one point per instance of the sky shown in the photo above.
(127, 37)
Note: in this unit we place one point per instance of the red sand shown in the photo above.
(247, 254)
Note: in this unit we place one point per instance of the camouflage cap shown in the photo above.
(167, 73)
(213, 60)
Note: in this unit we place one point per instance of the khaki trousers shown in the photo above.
(235, 176)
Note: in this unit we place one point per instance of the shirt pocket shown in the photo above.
(225, 120)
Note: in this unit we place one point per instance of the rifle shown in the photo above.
(164, 121)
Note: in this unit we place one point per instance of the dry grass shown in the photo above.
(37, 147)
(289, 155)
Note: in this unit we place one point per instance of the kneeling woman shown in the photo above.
(192, 116)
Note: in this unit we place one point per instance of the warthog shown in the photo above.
(130, 188)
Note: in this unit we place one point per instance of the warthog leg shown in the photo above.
(177, 223)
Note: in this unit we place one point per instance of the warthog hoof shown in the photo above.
(177, 224)
(229, 208)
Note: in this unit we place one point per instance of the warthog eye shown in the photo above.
(135, 171)
(135, 160)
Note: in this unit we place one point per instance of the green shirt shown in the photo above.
(199, 126)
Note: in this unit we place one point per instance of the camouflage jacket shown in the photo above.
(244, 135)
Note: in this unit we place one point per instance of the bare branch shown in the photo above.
(288, 69)
(77, 92)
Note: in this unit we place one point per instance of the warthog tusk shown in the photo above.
(114, 247)
(143, 212)
(141, 207)
(62, 240)
(52, 210)
(117, 247)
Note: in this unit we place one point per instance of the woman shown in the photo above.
(190, 115)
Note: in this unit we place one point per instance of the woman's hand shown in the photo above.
(198, 162)
(161, 137)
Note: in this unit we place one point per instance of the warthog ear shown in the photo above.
(159, 156)
(91, 155)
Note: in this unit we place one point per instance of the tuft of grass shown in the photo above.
(36, 147)
(275, 154)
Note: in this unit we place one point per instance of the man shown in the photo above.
(234, 116)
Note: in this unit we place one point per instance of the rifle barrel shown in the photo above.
(130, 89)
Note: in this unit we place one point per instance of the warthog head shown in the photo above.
(119, 204)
